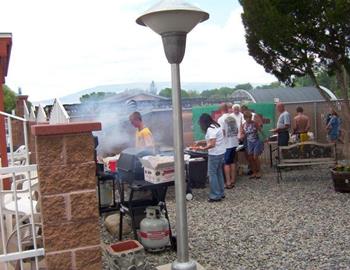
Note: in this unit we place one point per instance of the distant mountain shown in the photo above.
(117, 88)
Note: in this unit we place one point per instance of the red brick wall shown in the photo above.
(66, 170)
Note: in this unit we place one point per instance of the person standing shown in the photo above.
(143, 135)
(238, 115)
(333, 127)
(283, 125)
(258, 121)
(216, 149)
(301, 125)
(229, 127)
(255, 146)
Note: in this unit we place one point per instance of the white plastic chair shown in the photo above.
(19, 156)
(21, 195)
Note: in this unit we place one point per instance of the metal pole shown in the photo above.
(9, 127)
(182, 261)
(315, 121)
(25, 133)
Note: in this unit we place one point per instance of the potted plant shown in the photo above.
(341, 178)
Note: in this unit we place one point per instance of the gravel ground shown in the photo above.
(300, 223)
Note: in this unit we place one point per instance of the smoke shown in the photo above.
(117, 133)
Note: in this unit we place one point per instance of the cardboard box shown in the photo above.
(158, 169)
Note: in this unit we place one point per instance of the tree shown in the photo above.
(270, 86)
(222, 92)
(166, 92)
(93, 97)
(244, 86)
(296, 38)
(193, 94)
(323, 78)
(9, 99)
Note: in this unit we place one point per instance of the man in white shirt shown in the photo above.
(230, 130)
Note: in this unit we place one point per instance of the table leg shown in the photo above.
(132, 217)
(120, 225)
(270, 147)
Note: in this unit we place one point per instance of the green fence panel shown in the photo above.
(196, 113)
(266, 110)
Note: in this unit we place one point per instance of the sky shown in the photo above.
(64, 46)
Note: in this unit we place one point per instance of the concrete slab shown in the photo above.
(168, 267)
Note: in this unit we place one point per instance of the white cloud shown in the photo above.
(60, 47)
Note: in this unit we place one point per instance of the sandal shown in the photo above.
(231, 186)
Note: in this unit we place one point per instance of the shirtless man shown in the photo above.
(301, 125)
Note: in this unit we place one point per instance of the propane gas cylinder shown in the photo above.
(154, 229)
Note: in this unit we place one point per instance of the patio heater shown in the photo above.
(172, 20)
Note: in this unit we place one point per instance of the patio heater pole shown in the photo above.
(173, 20)
(181, 212)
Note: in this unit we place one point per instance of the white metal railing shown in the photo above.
(16, 158)
(58, 114)
(21, 244)
(20, 228)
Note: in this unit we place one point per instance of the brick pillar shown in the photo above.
(31, 141)
(17, 126)
(67, 182)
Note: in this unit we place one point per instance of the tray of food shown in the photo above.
(195, 149)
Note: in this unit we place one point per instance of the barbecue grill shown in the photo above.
(196, 153)
(129, 166)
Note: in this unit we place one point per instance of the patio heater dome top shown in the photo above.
(172, 16)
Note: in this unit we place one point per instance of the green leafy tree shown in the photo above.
(222, 92)
(244, 86)
(226, 92)
(166, 92)
(9, 99)
(92, 97)
(270, 86)
(193, 94)
(206, 93)
(323, 78)
(296, 38)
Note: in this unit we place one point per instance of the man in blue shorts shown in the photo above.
(230, 129)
